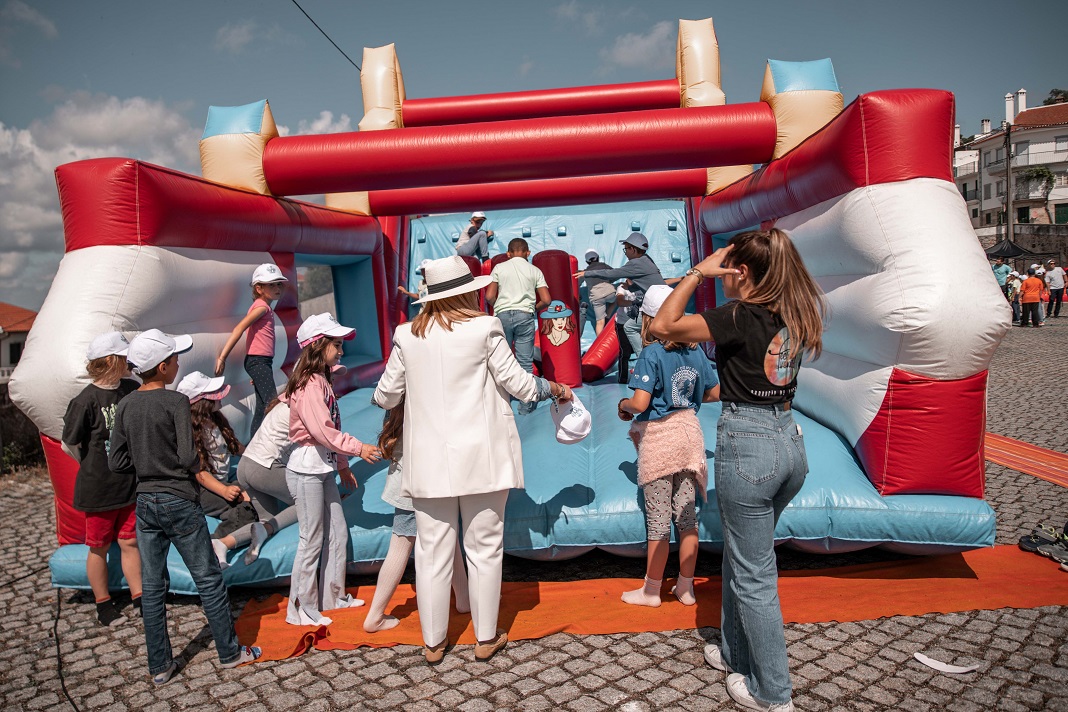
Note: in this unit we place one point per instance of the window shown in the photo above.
(975, 213)
(1060, 180)
(1023, 215)
(1060, 143)
(986, 219)
(14, 353)
(986, 193)
(1060, 213)
(986, 158)
(1000, 188)
(999, 155)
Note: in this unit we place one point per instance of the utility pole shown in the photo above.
(1008, 181)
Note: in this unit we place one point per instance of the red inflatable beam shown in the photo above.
(662, 94)
(530, 149)
(580, 190)
(603, 352)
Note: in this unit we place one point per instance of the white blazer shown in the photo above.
(460, 436)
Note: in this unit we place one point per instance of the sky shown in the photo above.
(82, 79)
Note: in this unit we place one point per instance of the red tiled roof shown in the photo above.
(15, 319)
(1043, 116)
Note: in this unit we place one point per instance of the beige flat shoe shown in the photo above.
(434, 655)
(485, 651)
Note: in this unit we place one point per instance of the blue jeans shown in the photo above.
(633, 329)
(760, 466)
(162, 520)
(519, 329)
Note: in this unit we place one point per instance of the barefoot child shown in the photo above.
(315, 429)
(153, 439)
(268, 285)
(670, 382)
(106, 497)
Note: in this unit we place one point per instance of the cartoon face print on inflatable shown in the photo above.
(557, 323)
(780, 364)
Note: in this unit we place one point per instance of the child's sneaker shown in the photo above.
(739, 692)
(107, 614)
(162, 678)
(714, 657)
(249, 653)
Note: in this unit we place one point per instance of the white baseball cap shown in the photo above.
(106, 345)
(1040, 270)
(655, 297)
(478, 214)
(317, 326)
(591, 254)
(196, 386)
(267, 273)
(151, 348)
(573, 422)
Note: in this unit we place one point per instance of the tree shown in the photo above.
(1056, 96)
(1042, 178)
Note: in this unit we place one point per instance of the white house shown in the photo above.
(15, 323)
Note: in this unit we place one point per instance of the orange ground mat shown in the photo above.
(1032, 460)
(999, 577)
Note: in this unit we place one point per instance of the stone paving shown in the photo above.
(1022, 654)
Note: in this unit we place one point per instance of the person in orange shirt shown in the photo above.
(1030, 292)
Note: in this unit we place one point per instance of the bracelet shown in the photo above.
(554, 397)
(694, 272)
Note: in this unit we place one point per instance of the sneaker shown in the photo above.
(249, 653)
(259, 535)
(1058, 552)
(739, 692)
(162, 678)
(1064, 567)
(107, 614)
(714, 657)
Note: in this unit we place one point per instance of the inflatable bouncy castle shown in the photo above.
(893, 412)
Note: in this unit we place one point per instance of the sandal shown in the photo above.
(435, 654)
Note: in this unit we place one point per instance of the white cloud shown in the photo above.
(590, 19)
(525, 66)
(634, 50)
(325, 124)
(13, 17)
(234, 38)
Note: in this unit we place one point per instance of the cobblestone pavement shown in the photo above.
(1022, 654)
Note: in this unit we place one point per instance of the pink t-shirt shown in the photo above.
(259, 339)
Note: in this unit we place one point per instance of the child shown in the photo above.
(670, 382)
(601, 291)
(215, 443)
(315, 429)
(776, 316)
(268, 285)
(402, 541)
(153, 439)
(624, 300)
(106, 497)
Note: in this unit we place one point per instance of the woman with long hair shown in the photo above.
(455, 371)
(775, 317)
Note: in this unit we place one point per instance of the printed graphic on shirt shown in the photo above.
(335, 415)
(780, 365)
(683, 385)
(109, 422)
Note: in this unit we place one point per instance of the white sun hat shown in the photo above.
(573, 422)
(197, 385)
(449, 277)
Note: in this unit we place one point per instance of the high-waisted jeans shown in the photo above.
(760, 466)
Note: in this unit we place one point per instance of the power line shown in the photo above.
(326, 35)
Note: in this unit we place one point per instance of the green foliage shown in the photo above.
(1056, 96)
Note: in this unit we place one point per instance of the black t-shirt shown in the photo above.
(87, 430)
(753, 354)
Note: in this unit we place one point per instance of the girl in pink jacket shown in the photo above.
(315, 429)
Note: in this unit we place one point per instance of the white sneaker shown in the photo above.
(259, 535)
(714, 657)
(739, 692)
(220, 553)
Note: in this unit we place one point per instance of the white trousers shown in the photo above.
(324, 538)
(436, 519)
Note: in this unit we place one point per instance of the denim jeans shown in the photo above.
(1056, 296)
(165, 519)
(322, 548)
(519, 329)
(760, 466)
(633, 329)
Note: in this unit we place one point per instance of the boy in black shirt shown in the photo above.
(153, 437)
(106, 497)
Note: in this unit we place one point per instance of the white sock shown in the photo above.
(459, 581)
(647, 595)
(683, 590)
(259, 535)
(220, 552)
(389, 576)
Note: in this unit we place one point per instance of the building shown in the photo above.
(15, 323)
(1034, 168)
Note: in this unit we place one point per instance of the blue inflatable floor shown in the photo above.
(583, 496)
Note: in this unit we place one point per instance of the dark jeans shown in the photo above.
(1056, 296)
(1030, 313)
(625, 353)
(261, 370)
(162, 520)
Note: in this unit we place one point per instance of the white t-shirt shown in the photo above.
(271, 441)
(517, 284)
(1055, 278)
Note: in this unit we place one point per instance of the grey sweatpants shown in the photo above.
(267, 488)
(324, 537)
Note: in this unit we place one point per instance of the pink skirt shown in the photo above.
(671, 444)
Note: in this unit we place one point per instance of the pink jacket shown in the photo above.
(314, 419)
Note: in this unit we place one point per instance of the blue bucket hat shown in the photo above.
(555, 310)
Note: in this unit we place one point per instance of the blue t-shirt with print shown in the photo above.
(675, 379)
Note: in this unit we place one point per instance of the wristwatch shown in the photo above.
(693, 271)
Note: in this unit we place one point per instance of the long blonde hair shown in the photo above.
(446, 312)
(782, 284)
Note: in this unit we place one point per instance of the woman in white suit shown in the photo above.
(461, 448)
